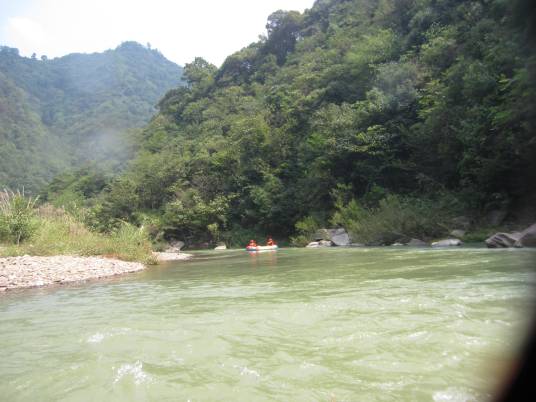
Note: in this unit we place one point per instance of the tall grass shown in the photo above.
(17, 216)
(59, 233)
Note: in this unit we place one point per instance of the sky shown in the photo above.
(180, 29)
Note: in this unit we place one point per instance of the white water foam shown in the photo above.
(96, 338)
(453, 395)
(135, 370)
(99, 336)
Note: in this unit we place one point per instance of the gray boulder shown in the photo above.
(340, 238)
(447, 243)
(503, 240)
(417, 243)
(527, 237)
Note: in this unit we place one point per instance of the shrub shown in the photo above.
(305, 228)
(396, 218)
(17, 216)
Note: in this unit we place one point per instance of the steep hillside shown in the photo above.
(70, 110)
(353, 108)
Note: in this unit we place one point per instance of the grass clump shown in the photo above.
(17, 216)
(58, 233)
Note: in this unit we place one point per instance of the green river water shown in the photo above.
(378, 324)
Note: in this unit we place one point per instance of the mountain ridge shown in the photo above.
(72, 106)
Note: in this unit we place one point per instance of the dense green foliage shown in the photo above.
(26, 229)
(17, 217)
(71, 110)
(383, 102)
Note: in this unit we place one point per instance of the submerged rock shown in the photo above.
(447, 243)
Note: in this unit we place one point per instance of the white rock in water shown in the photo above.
(447, 243)
(222, 247)
(313, 244)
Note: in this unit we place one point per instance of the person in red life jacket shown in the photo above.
(270, 242)
(252, 244)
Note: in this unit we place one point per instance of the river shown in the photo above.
(372, 324)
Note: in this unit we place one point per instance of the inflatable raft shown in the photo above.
(261, 248)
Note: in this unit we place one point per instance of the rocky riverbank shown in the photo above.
(171, 256)
(29, 271)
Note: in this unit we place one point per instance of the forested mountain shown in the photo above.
(352, 108)
(67, 111)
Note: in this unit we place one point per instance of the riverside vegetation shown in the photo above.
(389, 118)
(47, 231)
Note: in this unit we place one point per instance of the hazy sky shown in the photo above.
(180, 29)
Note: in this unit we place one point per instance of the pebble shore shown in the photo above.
(30, 271)
(167, 256)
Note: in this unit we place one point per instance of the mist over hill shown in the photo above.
(69, 111)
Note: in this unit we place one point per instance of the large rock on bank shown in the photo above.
(503, 240)
(338, 237)
(526, 238)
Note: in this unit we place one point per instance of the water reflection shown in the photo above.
(268, 257)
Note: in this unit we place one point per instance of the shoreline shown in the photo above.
(23, 272)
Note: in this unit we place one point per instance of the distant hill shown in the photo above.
(71, 110)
